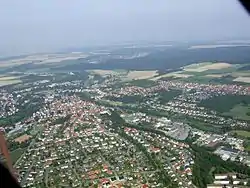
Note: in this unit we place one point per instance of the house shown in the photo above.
(220, 176)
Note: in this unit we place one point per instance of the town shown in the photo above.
(75, 134)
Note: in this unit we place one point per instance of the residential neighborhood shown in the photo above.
(99, 135)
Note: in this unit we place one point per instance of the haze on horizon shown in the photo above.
(41, 26)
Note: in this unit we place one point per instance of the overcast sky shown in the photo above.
(30, 26)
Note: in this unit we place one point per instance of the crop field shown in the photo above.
(224, 104)
(241, 73)
(138, 75)
(242, 133)
(206, 66)
(178, 74)
(142, 83)
(42, 59)
(8, 80)
(217, 46)
(242, 79)
(197, 65)
(103, 72)
(239, 112)
(16, 154)
(214, 75)
(126, 75)
(167, 96)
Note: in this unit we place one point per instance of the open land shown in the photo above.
(103, 72)
(42, 59)
(7, 80)
(240, 112)
(242, 79)
(224, 104)
(214, 75)
(217, 46)
(126, 75)
(138, 75)
(22, 138)
(178, 74)
(242, 133)
(16, 154)
(213, 66)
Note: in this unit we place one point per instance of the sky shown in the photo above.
(32, 26)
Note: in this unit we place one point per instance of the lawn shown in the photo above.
(16, 154)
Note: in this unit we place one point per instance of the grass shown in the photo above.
(240, 133)
(16, 154)
(202, 125)
(112, 103)
(35, 130)
(198, 79)
(127, 99)
(143, 83)
(239, 112)
(8, 80)
(225, 103)
(197, 65)
(166, 96)
(247, 148)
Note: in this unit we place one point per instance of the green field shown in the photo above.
(142, 83)
(225, 103)
(219, 76)
(16, 154)
(240, 133)
(247, 148)
(197, 79)
(203, 125)
(166, 96)
(127, 99)
(239, 112)
(8, 80)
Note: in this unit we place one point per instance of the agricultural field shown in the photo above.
(239, 112)
(206, 66)
(142, 83)
(126, 75)
(105, 72)
(245, 134)
(242, 79)
(217, 46)
(42, 59)
(178, 74)
(208, 72)
(139, 75)
(224, 104)
(16, 154)
(8, 80)
(214, 75)
(166, 96)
